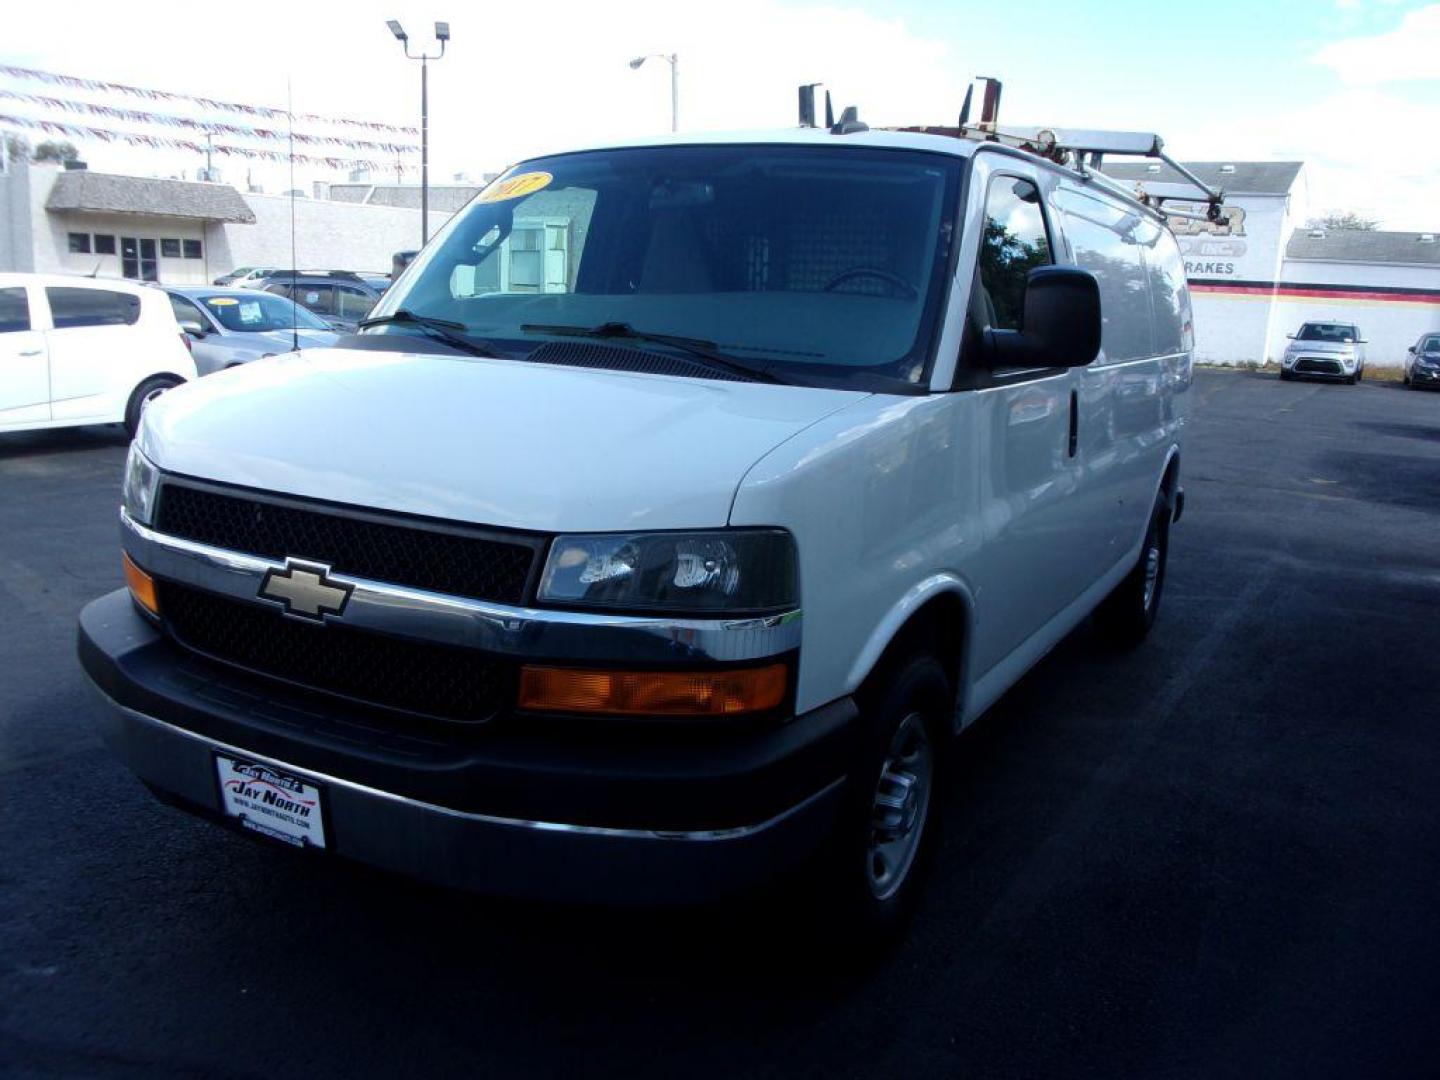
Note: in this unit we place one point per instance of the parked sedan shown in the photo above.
(340, 297)
(1422, 363)
(1327, 350)
(227, 327)
(246, 277)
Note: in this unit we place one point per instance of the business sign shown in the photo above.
(1211, 248)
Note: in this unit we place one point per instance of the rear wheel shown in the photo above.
(145, 393)
(1128, 613)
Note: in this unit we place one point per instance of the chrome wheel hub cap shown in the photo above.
(900, 807)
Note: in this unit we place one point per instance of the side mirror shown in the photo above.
(1362, 341)
(1411, 350)
(1061, 322)
(192, 327)
(1290, 336)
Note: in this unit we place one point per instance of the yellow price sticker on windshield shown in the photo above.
(221, 301)
(515, 187)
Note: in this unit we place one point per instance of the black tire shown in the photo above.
(910, 703)
(1285, 376)
(1128, 613)
(148, 390)
(1352, 379)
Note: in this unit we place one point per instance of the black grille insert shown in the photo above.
(359, 544)
(434, 680)
(1319, 367)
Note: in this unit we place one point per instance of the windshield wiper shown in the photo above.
(696, 347)
(444, 330)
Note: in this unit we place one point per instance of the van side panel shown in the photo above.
(1129, 396)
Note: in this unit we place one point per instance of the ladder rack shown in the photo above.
(1075, 148)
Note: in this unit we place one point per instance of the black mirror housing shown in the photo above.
(1062, 322)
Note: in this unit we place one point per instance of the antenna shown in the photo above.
(290, 119)
(829, 111)
(965, 105)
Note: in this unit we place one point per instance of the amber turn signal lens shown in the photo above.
(142, 586)
(653, 693)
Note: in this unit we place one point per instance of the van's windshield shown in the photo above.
(822, 266)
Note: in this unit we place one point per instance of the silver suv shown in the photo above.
(1327, 350)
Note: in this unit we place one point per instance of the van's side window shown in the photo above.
(14, 311)
(1015, 242)
(91, 307)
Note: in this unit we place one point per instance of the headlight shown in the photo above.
(731, 571)
(141, 481)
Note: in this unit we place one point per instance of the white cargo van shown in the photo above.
(666, 521)
(76, 350)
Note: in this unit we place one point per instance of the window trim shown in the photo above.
(971, 375)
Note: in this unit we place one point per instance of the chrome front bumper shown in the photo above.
(521, 808)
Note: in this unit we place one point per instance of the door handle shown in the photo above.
(29, 352)
(1074, 422)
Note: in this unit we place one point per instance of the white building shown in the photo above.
(74, 221)
(1257, 274)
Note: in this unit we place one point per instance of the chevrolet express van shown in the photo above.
(664, 523)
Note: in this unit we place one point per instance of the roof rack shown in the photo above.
(1078, 149)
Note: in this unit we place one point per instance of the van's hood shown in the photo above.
(506, 443)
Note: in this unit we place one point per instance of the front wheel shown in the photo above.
(880, 852)
(145, 393)
(1128, 613)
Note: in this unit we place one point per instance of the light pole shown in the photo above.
(442, 35)
(673, 59)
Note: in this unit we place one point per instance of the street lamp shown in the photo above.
(442, 35)
(673, 59)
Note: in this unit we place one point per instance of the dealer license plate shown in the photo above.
(272, 802)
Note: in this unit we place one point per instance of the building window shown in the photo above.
(79, 243)
(137, 259)
(104, 245)
(170, 249)
(91, 307)
(192, 249)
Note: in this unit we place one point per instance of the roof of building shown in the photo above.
(82, 189)
(1235, 177)
(1364, 246)
(442, 196)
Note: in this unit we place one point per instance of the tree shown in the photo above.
(56, 151)
(1343, 219)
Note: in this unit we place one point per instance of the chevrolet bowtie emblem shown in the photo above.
(305, 590)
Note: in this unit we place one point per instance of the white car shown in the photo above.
(77, 350)
(669, 517)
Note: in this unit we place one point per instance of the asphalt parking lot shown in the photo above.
(1216, 855)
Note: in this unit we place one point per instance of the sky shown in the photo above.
(1351, 87)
